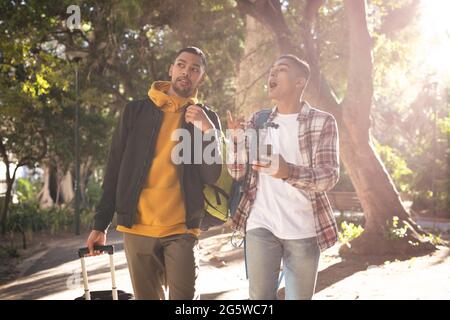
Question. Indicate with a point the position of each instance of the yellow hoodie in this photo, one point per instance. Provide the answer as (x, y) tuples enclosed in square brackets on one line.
[(161, 210)]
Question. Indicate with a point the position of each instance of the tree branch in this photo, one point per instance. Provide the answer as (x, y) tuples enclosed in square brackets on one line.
[(399, 18), (247, 88), (269, 13), (29, 159), (118, 95), (70, 33), (318, 92)]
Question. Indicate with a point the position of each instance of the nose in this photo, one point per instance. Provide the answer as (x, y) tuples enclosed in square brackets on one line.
[(186, 74)]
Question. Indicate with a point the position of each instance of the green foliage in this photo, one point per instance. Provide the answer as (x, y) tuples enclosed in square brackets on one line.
[(396, 166), (349, 231), (394, 231), (332, 39), (129, 45), (2, 202), (27, 189), (410, 111), (434, 239), (28, 217), (93, 192), (7, 252)]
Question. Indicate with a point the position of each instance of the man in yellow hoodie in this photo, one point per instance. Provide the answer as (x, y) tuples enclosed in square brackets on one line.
[(159, 203)]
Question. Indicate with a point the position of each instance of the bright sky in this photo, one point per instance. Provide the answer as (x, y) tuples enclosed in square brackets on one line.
[(435, 34)]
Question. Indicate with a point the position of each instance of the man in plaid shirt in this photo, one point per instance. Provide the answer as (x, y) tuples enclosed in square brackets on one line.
[(284, 210)]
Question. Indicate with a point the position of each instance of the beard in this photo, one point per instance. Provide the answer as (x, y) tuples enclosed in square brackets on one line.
[(184, 92)]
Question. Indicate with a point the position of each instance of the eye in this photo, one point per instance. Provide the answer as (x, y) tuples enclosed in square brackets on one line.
[(196, 69), (181, 65)]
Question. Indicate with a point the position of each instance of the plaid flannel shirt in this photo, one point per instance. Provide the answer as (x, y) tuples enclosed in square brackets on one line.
[(318, 128)]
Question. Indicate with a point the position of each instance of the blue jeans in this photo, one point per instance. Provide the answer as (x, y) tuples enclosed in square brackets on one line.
[(264, 252)]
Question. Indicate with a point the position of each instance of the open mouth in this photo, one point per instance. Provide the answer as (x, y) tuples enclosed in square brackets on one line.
[(184, 82)]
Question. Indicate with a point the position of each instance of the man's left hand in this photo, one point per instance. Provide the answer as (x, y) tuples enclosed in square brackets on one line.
[(197, 116), (274, 166)]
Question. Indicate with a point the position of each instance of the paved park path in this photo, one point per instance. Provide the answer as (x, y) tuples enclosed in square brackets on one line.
[(54, 273)]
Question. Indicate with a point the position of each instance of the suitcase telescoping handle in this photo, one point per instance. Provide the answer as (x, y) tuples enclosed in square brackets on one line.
[(82, 252)]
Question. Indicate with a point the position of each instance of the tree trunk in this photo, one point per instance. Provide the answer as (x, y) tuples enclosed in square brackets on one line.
[(58, 186), (58, 174), (44, 196), (8, 196), (25, 160), (374, 187), (380, 200), (268, 13), (85, 173), (66, 189), (253, 68)]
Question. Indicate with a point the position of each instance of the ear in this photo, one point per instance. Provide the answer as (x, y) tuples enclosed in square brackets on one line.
[(170, 70), (202, 78), (300, 82)]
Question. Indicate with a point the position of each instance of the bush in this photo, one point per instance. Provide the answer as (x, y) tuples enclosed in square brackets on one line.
[(28, 217), (425, 203), (397, 167), (357, 218), (349, 231), (27, 189), (7, 252), (2, 203), (394, 231), (93, 193)]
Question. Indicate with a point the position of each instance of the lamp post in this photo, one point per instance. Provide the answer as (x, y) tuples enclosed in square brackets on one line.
[(77, 57), (435, 102)]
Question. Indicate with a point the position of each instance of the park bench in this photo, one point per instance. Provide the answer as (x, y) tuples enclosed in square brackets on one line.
[(344, 201)]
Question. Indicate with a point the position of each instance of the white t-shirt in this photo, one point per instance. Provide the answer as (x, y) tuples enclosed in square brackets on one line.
[(279, 207)]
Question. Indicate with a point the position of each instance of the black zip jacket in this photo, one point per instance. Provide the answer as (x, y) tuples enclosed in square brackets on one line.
[(129, 161)]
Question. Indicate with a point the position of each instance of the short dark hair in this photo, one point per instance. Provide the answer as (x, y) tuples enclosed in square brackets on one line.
[(302, 65), (193, 50)]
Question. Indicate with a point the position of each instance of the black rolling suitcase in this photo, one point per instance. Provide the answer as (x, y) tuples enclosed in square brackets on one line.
[(113, 294)]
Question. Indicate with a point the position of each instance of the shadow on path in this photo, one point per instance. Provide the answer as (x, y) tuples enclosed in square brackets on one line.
[(352, 264)]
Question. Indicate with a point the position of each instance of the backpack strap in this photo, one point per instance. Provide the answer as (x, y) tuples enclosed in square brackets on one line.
[(211, 115), (261, 118)]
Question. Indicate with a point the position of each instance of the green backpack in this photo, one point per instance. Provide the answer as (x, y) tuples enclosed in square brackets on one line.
[(217, 197)]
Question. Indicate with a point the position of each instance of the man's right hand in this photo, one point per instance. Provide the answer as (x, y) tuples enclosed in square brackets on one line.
[(95, 238), (234, 125)]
